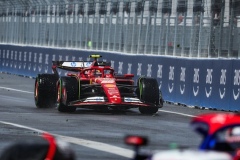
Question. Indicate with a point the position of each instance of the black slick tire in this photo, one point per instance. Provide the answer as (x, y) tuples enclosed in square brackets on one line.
[(45, 90), (148, 92), (67, 91)]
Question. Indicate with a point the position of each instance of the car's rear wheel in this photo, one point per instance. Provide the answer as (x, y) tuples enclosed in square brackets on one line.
[(45, 90), (67, 91), (148, 93)]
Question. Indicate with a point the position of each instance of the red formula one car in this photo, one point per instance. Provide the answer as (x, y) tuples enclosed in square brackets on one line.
[(95, 85), (221, 140)]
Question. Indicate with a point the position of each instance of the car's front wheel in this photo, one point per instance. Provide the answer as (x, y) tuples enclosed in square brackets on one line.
[(148, 92), (148, 110), (67, 91)]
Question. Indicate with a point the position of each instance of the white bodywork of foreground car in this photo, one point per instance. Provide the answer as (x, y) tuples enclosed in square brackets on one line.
[(190, 155)]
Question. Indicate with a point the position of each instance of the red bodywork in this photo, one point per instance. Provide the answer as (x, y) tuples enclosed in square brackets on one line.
[(217, 121), (100, 73), (220, 131)]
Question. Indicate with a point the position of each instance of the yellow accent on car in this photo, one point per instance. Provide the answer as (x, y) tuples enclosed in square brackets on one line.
[(95, 56)]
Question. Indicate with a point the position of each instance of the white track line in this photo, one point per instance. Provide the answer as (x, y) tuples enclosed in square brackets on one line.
[(12, 89), (187, 115), (86, 143), (99, 146), (90, 144), (182, 114)]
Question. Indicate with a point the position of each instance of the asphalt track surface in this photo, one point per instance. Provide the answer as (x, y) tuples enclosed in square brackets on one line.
[(91, 134)]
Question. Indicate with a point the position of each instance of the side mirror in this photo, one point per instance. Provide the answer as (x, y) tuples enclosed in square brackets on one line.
[(137, 142)]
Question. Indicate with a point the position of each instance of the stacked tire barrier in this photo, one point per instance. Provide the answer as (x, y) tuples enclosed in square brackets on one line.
[(209, 83)]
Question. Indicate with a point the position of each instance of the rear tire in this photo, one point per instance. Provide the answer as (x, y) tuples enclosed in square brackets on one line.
[(67, 92), (148, 93), (45, 90)]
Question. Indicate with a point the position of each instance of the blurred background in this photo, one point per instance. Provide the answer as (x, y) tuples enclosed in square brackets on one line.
[(184, 28)]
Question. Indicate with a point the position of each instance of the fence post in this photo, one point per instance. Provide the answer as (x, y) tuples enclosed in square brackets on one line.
[(230, 39), (238, 28)]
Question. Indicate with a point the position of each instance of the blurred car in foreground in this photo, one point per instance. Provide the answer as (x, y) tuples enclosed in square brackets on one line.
[(220, 132), (46, 147), (220, 140), (94, 85)]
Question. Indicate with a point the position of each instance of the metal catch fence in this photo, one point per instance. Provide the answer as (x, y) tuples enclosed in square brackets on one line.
[(182, 28)]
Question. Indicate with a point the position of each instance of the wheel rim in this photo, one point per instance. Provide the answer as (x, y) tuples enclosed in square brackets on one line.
[(36, 91), (141, 90), (59, 94), (64, 95)]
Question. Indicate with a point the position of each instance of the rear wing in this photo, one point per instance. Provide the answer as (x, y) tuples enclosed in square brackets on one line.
[(77, 65), (71, 65)]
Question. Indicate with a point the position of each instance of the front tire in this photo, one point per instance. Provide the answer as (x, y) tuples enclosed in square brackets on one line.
[(67, 92), (148, 92), (148, 110)]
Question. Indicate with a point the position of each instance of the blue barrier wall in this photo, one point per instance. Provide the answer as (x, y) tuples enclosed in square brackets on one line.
[(210, 83)]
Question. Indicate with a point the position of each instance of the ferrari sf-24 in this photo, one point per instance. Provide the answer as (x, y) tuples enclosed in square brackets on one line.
[(95, 85)]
